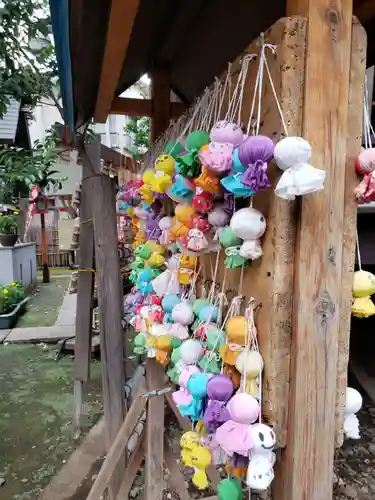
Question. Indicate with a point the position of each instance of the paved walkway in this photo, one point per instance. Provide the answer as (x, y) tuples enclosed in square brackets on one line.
[(63, 328)]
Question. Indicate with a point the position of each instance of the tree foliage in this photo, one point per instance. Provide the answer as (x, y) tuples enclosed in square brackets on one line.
[(28, 68), (28, 73), (21, 169), (138, 130)]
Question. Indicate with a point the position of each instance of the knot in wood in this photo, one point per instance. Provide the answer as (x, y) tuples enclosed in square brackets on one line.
[(325, 308), (333, 15)]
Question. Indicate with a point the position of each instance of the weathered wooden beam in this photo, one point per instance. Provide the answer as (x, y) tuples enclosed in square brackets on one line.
[(132, 469), (117, 448), (121, 20), (82, 347), (154, 481), (160, 96), (353, 145), (110, 300), (176, 478), (143, 107), (307, 463), (270, 279)]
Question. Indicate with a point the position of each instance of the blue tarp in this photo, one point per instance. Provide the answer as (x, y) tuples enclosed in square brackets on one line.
[(60, 27)]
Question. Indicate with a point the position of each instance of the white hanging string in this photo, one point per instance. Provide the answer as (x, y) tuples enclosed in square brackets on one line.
[(237, 108), (211, 293), (252, 345), (250, 57), (194, 281), (227, 85), (241, 79), (273, 49), (214, 100), (256, 85), (195, 111), (358, 251)]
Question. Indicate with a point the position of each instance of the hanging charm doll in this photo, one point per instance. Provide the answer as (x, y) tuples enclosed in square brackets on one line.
[(363, 288), (299, 177), (352, 406), (260, 472), (365, 165), (255, 153), (249, 225)]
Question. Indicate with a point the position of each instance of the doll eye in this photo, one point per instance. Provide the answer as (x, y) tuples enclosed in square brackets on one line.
[(262, 219), (261, 436)]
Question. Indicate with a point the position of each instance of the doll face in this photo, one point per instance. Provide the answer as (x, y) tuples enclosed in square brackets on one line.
[(165, 163), (263, 436), (224, 131)]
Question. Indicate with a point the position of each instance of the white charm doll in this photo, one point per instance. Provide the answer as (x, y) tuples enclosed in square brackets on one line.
[(352, 406), (262, 458)]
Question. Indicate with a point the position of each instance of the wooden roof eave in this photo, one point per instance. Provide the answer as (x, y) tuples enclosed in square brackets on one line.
[(118, 36)]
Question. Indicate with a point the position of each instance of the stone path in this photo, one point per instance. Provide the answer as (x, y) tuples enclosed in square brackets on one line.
[(63, 328)]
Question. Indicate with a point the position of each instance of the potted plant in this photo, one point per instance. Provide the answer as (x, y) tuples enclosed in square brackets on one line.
[(13, 302), (8, 230)]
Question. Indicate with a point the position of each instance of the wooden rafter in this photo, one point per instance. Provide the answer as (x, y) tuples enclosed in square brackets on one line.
[(142, 107), (120, 26)]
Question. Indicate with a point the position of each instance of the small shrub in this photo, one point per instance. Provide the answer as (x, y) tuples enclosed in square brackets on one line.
[(9, 224), (10, 296)]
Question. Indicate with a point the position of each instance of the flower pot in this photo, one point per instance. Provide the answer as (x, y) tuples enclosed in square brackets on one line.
[(8, 240), (7, 321)]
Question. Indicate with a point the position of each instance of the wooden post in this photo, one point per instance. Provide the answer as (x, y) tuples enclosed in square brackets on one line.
[(46, 278), (110, 300), (161, 105), (270, 279), (82, 348), (306, 469), (154, 483)]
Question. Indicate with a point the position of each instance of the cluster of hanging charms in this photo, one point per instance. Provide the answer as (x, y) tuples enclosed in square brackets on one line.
[(364, 281), (365, 164), (192, 205)]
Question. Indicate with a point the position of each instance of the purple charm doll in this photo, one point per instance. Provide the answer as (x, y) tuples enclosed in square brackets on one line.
[(153, 229), (219, 391), (255, 153)]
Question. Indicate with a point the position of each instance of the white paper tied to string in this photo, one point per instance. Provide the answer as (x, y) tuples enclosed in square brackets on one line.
[(250, 363), (291, 153)]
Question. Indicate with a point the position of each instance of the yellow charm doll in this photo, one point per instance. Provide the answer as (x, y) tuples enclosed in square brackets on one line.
[(139, 239), (196, 456), (363, 288), (146, 193), (187, 266), (184, 214), (163, 346), (189, 440), (161, 182), (200, 458), (165, 163)]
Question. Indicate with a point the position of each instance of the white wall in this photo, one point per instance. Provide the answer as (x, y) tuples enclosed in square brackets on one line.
[(46, 115), (112, 132), (112, 135)]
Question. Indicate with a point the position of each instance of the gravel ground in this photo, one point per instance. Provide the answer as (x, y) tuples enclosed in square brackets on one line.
[(355, 462)]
